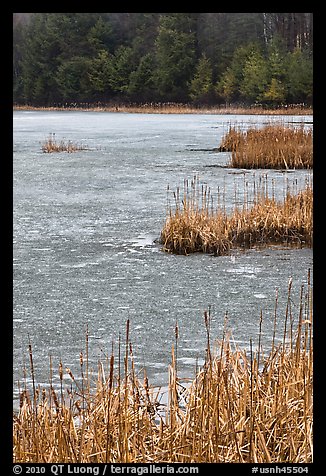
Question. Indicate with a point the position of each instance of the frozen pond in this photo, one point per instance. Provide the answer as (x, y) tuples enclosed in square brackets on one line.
[(84, 250)]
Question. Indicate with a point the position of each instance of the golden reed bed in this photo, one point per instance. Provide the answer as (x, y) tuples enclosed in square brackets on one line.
[(194, 225), (244, 405), (274, 146)]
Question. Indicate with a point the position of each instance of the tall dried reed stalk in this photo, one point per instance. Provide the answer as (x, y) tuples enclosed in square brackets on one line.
[(244, 405), (273, 146), (196, 225)]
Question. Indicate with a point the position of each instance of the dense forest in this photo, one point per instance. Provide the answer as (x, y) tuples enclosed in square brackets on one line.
[(198, 58)]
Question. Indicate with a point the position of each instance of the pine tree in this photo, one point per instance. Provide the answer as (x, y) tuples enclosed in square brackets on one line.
[(201, 86), (255, 77), (141, 81), (300, 77), (175, 57)]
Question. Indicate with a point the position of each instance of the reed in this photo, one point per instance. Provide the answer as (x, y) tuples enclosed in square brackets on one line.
[(244, 405), (196, 225), (274, 146), (52, 145), (249, 407)]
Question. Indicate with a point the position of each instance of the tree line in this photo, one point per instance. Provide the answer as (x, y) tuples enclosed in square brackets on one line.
[(201, 58)]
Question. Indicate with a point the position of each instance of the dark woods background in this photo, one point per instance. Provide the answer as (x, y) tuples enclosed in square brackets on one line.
[(198, 58)]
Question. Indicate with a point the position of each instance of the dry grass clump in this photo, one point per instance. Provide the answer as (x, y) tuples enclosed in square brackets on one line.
[(242, 406), (270, 221), (196, 226), (51, 145), (273, 146), (107, 418)]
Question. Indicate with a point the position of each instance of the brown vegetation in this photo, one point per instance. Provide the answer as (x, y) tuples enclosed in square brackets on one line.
[(274, 146), (242, 406), (174, 108), (195, 225), (51, 145)]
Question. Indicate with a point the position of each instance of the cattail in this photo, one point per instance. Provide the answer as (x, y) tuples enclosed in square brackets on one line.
[(22, 397), (60, 371), (55, 399), (111, 371), (69, 372)]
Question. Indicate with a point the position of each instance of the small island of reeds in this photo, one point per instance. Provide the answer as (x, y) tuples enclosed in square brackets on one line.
[(244, 405), (52, 145), (274, 146), (195, 225)]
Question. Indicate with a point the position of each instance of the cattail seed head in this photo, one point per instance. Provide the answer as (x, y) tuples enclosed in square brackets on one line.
[(176, 331), (60, 371)]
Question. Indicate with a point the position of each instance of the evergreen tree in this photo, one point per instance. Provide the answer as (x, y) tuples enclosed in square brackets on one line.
[(77, 34), (122, 66), (141, 80), (300, 77), (175, 56), (275, 93), (201, 86), (276, 90), (100, 74), (229, 84), (18, 41), (99, 36), (40, 61), (255, 77), (73, 80)]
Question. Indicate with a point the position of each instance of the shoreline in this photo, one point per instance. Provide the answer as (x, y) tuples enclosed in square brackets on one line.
[(167, 108)]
